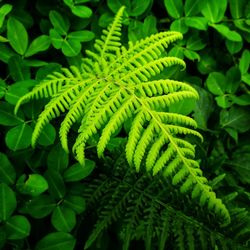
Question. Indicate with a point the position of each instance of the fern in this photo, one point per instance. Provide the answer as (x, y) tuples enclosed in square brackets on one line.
[(152, 211), (113, 85)]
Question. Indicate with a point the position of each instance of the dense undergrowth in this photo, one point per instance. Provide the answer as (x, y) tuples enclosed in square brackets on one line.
[(148, 190)]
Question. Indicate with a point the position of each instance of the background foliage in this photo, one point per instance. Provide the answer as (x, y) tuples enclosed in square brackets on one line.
[(47, 199)]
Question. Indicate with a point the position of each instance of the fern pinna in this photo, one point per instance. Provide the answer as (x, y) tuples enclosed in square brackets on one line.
[(112, 86)]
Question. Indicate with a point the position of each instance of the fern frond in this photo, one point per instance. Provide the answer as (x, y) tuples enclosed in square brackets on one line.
[(112, 86)]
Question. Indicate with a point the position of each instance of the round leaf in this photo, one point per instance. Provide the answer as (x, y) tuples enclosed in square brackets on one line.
[(55, 241), (17, 35), (71, 47), (48, 135), (8, 202), (34, 185), (19, 137), (77, 203), (174, 8), (81, 11), (216, 83), (60, 24), (17, 227), (63, 219), (81, 36)]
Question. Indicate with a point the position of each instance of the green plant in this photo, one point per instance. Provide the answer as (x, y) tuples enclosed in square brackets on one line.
[(112, 87), (47, 198)]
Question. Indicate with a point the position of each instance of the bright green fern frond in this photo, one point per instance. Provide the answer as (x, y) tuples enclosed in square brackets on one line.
[(115, 84)]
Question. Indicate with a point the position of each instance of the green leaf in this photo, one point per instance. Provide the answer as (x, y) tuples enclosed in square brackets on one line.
[(17, 36), (237, 8), (207, 64), (76, 203), (19, 137), (246, 78), (7, 117), (81, 11), (55, 241), (48, 135), (8, 202), (78, 172), (174, 8), (40, 206), (199, 23), (236, 117), (224, 101), (7, 172), (133, 8), (82, 36), (34, 185), (234, 47), (233, 78), (17, 227), (204, 107), (192, 7), (226, 32), (195, 43), (60, 24), (18, 69), (58, 159), (214, 10), (63, 219), (179, 25), (3, 39), (56, 184), (216, 83), (183, 107), (4, 10), (149, 26), (191, 55), (71, 47), (242, 100), (3, 87), (39, 44), (244, 62), (56, 39), (5, 53)]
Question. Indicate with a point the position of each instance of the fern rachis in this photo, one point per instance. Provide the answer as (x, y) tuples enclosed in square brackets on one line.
[(112, 86)]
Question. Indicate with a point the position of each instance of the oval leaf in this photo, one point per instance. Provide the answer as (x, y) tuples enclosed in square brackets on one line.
[(41, 43), (7, 172)]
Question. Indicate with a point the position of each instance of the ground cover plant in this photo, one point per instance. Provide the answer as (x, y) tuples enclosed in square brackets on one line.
[(124, 124)]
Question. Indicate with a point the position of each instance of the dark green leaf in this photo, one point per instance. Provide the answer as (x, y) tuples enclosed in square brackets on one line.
[(195, 43), (216, 83), (17, 227), (5, 53), (34, 185), (46, 70), (242, 100), (8, 202), (7, 117), (77, 203), (237, 8), (234, 47), (226, 32), (233, 78), (7, 172), (17, 36), (18, 69), (60, 24), (81, 11), (63, 219), (3, 87), (244, 62), (207, 64), (236, 117), (58, 159), (174, 8), (78, 172), (19, 137), (39, 44), (191, 55), (4, 10), (55, 241), (56, 184), (40, 206), (82, 36)]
